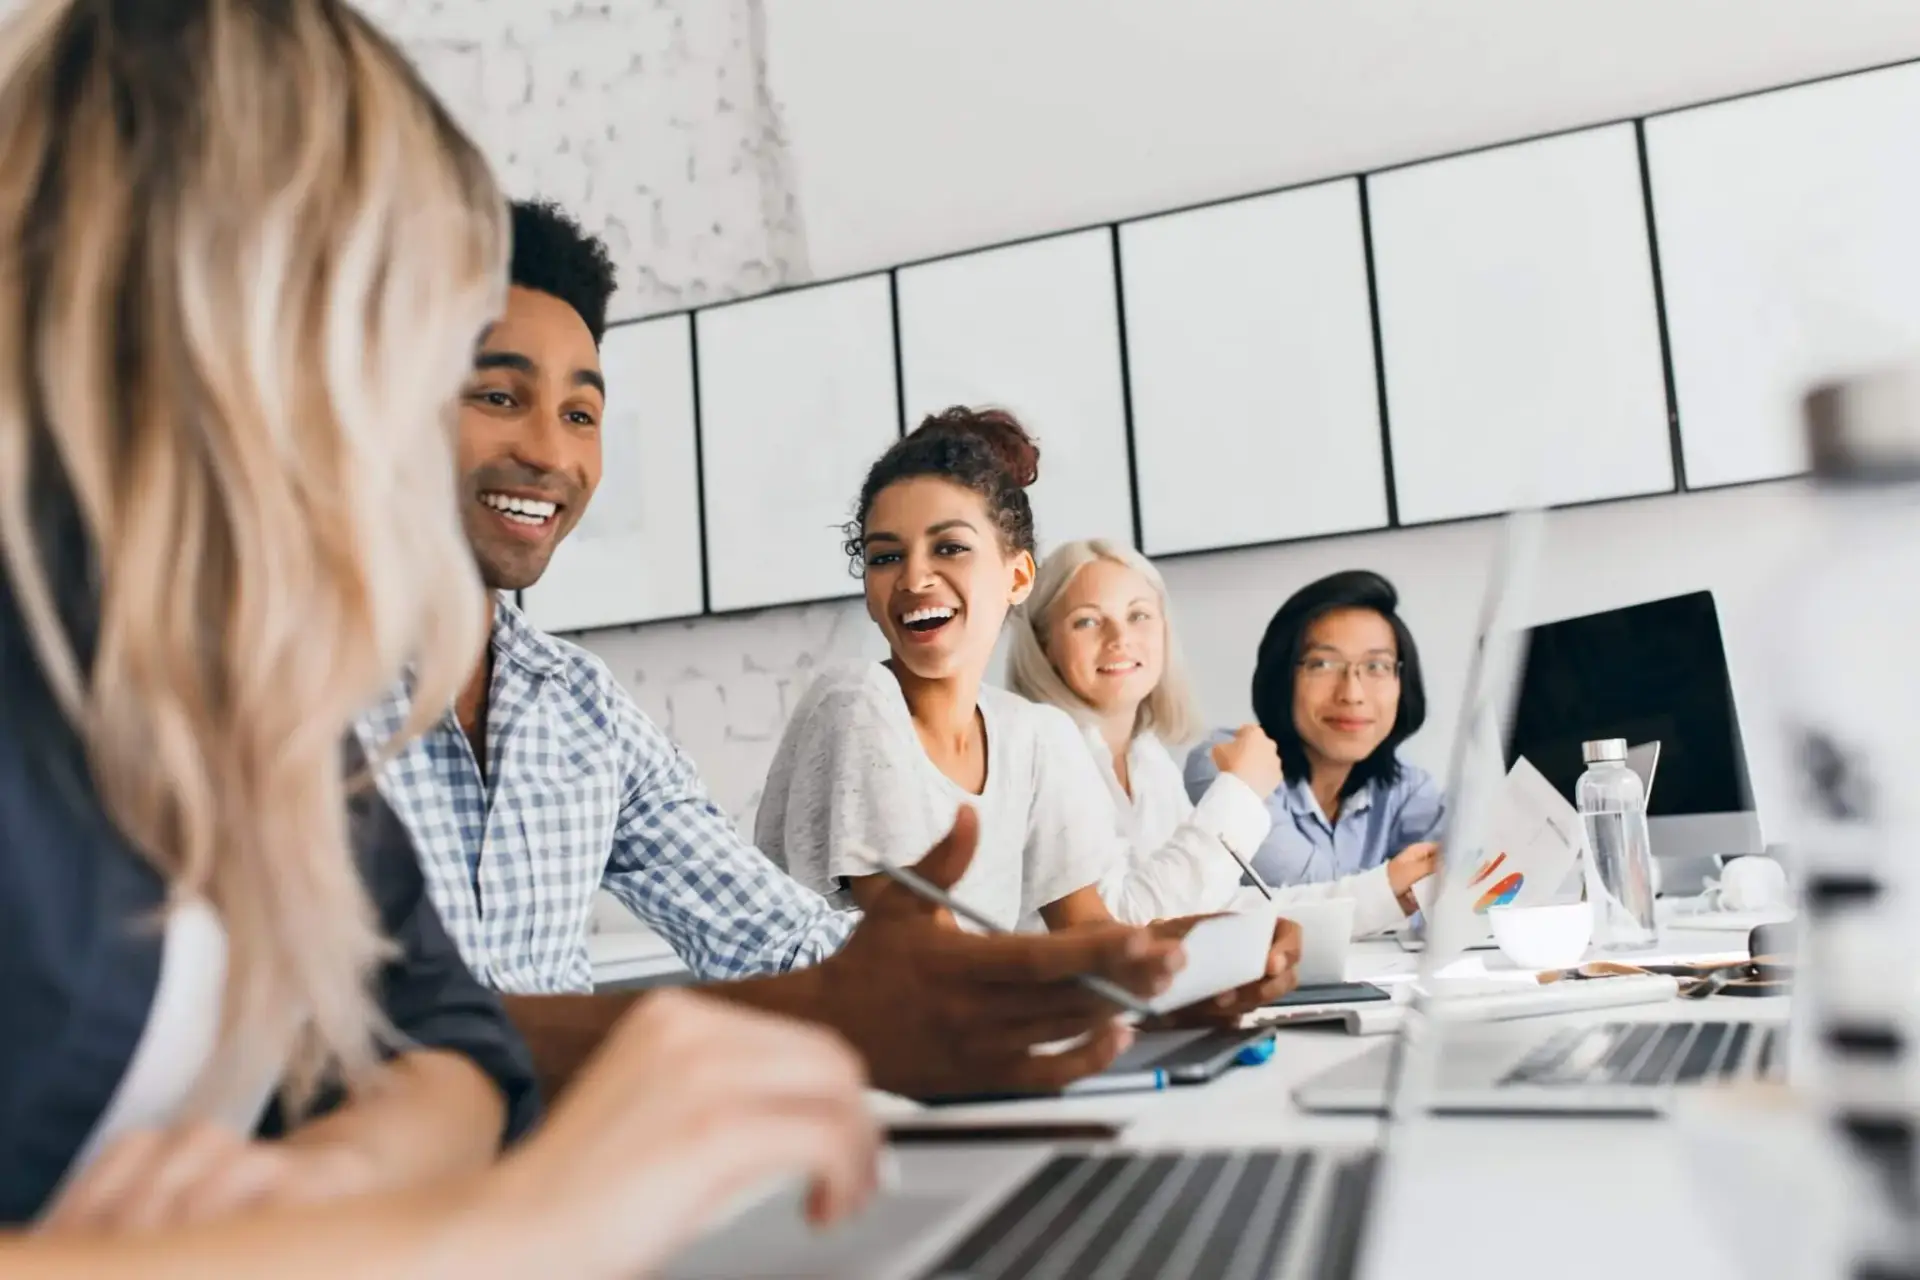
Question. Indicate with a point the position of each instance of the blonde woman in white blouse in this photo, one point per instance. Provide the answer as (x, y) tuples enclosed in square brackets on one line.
[(1094, 639)]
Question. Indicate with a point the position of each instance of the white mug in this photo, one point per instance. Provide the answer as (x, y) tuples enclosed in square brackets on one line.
[(1326, 927), (1750, 884)]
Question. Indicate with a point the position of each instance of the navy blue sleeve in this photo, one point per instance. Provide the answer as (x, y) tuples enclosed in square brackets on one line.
[(426, 991), (77, 967)]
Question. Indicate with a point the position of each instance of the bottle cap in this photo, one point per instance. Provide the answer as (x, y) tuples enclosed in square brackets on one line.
[(1602, 750)]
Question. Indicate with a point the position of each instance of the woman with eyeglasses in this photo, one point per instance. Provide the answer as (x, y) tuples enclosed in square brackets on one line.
[(1337, 687)]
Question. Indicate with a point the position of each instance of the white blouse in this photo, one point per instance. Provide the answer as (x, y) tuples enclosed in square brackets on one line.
[(1175, 860), (1176, 865)]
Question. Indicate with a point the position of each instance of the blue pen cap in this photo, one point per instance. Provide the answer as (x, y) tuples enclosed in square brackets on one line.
[(1255, 1054)]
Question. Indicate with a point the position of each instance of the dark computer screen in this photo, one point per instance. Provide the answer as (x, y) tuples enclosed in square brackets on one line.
[(1654, 671)]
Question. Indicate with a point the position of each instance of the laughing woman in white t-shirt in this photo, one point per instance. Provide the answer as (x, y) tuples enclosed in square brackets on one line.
[(879, 755)]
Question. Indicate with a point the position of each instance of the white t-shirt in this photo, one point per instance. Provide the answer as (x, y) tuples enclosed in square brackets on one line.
[(851, 771), (1176, 866), (182, 1031)]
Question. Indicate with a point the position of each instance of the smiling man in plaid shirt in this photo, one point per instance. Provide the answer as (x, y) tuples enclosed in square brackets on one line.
[(547, 782)]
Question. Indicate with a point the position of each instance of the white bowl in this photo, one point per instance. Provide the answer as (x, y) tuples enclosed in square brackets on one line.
[(1550, 937)]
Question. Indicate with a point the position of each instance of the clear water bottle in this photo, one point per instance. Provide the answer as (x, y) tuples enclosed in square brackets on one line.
[(1613, 805)]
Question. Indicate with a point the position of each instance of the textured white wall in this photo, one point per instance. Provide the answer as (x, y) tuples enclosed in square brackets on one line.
[(647, 119)]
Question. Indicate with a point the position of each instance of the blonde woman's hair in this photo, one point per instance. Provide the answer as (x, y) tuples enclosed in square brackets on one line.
[(1168, 711), (244, 258)]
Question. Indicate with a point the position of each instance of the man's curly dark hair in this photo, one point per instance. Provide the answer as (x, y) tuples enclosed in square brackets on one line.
[(552, 254)]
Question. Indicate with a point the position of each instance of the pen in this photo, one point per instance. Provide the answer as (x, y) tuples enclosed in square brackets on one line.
[(921, 887), (1252, 875)]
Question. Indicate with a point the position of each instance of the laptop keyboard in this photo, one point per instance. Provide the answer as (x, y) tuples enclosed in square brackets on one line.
[(1137, 1216), (1651, 1053)]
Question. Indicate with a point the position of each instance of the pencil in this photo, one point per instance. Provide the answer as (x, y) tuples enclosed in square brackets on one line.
[(923, 888), (1252, 875)]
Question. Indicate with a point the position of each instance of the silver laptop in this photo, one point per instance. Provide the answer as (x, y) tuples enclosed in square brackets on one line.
[(1069, 1212), (1594, 1067)]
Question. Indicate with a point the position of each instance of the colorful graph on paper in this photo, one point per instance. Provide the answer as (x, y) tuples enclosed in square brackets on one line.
[(1501, 892)]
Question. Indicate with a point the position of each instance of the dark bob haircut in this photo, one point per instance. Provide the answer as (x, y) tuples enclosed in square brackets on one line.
[(1278, 666)]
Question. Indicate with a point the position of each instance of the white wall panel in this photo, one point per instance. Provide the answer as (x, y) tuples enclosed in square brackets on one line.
[(635, 555), (1789, 228), (797, 399), (1033, 328), (1256, 411), (1518, 326)]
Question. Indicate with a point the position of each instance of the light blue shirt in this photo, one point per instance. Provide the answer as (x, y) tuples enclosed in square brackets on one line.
[(1375, 823), (583, 791)]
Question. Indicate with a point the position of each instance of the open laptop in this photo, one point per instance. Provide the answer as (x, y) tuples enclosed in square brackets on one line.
[(1598, 1066), (1076, 1213), (1070, 1210)]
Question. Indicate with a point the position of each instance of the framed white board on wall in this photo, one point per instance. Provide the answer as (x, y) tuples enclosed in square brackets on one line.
[(797, 399), (635, 554), (1251, 362), (1035, 329), (1789, 232), (1518, 327)]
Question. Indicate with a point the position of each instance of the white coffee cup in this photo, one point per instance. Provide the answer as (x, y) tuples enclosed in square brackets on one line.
[(1326, 929), (1750, 884)]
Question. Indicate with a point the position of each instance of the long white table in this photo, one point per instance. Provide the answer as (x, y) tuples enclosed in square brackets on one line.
[(1488, 1198), (1484, 1197)]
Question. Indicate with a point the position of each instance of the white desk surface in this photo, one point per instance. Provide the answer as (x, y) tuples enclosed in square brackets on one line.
[(1488, 1197)]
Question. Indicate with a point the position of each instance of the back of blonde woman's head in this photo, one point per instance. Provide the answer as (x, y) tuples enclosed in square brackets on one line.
[(1168, 711), (244, 257)]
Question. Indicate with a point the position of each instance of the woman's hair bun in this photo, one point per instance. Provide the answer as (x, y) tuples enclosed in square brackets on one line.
[(998, 430)]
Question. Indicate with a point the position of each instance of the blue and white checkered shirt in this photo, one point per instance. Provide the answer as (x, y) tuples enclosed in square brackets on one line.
[(583, 790)]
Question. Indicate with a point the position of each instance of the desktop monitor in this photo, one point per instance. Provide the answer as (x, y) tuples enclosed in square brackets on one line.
[(1654, 672)]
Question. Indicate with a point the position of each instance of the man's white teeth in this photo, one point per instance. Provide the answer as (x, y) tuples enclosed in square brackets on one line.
[(520, 510), (937, 613)]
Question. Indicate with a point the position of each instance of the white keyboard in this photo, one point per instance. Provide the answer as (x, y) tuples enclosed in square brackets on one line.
[(1468, 1000), (1481, 1000)]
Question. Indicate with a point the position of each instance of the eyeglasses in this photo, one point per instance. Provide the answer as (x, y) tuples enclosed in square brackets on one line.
[(1372, 670)]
